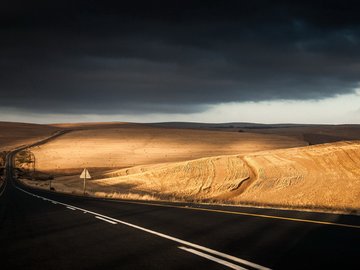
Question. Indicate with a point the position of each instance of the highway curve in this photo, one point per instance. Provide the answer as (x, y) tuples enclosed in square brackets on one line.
[(46, 230)]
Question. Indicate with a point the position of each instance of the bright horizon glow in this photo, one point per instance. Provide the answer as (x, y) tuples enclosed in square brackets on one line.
[(342, 109)]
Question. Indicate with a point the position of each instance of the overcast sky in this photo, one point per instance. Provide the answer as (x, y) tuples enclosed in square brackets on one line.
[(210, 61)]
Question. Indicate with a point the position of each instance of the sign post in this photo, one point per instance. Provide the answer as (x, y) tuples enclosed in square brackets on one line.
[(85, 175)]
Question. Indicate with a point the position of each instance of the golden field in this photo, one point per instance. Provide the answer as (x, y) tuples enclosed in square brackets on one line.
[(126, 146), (266, 167), (323, 176)]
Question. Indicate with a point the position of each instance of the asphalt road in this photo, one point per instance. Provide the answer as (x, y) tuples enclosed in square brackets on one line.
[(45, 230)]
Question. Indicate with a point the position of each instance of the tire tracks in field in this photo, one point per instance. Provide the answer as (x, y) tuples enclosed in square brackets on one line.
[(244, 184)]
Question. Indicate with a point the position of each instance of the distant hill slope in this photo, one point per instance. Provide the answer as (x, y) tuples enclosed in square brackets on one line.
[(313, 134), (15, 134), (224, 126)]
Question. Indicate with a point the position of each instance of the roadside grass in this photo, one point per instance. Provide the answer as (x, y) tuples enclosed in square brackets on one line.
[(308, 207)]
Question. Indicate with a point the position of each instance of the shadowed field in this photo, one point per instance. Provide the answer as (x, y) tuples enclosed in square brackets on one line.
[(13, 135)]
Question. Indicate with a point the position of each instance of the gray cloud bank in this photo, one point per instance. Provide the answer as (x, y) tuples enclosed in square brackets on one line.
[(109, 57)]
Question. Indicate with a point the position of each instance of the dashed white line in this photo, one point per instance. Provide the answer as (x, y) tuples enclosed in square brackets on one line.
[(174, 239), (212, 258), (71, 208), (106, 220)]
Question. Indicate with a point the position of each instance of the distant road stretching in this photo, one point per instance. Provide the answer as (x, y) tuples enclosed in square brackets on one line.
[(46, 230)]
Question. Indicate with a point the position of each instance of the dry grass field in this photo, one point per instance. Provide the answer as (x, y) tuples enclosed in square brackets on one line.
[(265, 167), (326, 176), (317, 177), (132, 145)]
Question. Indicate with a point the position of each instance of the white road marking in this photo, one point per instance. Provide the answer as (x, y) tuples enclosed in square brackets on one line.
[(104, 219), (71, 208), (183, 242), (212, 258)]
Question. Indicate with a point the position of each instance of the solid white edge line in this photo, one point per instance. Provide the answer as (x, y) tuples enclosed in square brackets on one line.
[(208, 250), (212, 258), (106, 220)]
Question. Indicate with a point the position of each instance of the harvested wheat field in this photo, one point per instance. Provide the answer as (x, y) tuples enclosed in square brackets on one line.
[(317, 177), (325, 175), (133, 145), (136, 161)]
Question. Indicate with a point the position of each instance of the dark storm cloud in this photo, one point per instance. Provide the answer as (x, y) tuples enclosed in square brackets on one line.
[(174, 56)]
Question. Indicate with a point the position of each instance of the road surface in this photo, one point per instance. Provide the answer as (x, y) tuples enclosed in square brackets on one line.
[(46, 230)]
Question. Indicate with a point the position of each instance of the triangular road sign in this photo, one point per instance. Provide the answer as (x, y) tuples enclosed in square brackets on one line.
[(85, 174)]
